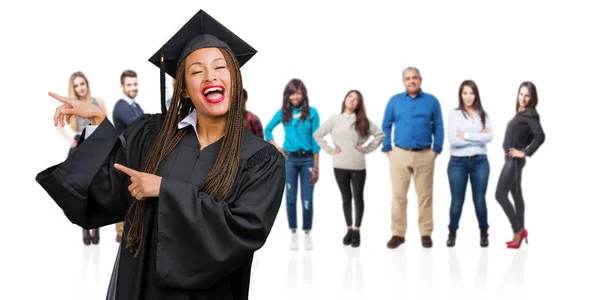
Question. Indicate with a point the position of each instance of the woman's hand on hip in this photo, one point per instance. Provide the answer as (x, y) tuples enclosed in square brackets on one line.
[(512, 152), (337, 150)]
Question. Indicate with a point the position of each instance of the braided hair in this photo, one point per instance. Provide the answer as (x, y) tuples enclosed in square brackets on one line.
[(222, 176)]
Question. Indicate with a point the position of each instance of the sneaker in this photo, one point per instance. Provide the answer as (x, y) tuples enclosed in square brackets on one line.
[(308, 242), (294, 242)]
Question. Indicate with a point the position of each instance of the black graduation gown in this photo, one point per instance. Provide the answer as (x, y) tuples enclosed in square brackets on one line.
[(194, 247)]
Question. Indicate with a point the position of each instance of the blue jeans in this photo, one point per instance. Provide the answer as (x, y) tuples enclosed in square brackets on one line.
[(460, 170), (299, 167)]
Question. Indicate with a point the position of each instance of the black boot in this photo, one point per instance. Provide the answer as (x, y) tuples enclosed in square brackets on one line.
[(355, 238), (87, 238), (484, 242), (96, 236), (348, 237), (451, 237)]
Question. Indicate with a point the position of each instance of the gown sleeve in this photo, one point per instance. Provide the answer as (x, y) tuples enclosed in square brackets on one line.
[(200, 240), (86, 186)]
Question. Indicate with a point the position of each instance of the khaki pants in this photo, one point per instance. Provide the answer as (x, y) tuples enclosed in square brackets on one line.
[(119, 228), (403, 164)]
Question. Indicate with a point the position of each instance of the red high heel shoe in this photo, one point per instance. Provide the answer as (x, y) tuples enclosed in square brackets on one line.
[(517, 245)]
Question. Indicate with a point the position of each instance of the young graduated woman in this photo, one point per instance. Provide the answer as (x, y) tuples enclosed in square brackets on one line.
[(198, 192)]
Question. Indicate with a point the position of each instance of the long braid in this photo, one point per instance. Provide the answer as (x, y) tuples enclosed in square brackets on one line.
[(222, 175), (166, 141)]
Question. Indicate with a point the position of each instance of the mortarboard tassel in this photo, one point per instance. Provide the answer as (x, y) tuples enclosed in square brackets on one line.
[(163, 104)]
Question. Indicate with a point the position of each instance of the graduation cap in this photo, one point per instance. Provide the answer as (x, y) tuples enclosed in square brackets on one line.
[(201, 31)]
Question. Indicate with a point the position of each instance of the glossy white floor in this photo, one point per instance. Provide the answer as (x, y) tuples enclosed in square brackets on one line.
[(49, 259)]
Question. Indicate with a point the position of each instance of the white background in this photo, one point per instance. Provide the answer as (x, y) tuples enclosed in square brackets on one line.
[(333, 47)]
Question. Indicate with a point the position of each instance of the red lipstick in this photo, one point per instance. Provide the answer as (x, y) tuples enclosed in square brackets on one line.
[(213, 88)]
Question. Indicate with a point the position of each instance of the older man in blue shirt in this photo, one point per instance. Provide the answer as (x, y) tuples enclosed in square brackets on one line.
[(418, 139)]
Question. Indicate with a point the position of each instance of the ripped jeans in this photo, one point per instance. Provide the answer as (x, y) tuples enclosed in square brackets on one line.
[(299, 167)]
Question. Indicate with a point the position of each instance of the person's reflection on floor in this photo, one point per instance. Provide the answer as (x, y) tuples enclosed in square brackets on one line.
[(456, 279), (354, 279), (512, 285), (425, 290)]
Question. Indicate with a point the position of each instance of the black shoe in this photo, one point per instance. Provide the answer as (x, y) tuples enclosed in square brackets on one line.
[(87, 238), (484, 242), (348, 237), (96, 236), (355, 238), (451, 238)]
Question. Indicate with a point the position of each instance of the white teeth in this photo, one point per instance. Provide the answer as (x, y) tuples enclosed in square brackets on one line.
[(213, 89)]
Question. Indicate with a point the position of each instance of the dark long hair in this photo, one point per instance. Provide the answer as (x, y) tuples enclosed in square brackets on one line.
[(220, 179), (244, 111), (476, 103), (533, 96), (361, 125), (290, 88)]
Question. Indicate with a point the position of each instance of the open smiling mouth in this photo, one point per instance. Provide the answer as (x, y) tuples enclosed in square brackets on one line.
[(213, 93)]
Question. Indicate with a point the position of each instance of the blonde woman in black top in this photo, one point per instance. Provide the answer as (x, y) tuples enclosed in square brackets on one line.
[(79, 88), (523, 137)]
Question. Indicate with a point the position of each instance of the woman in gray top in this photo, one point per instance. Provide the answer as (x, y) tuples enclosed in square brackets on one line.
[(79, 88), (349, 131)]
